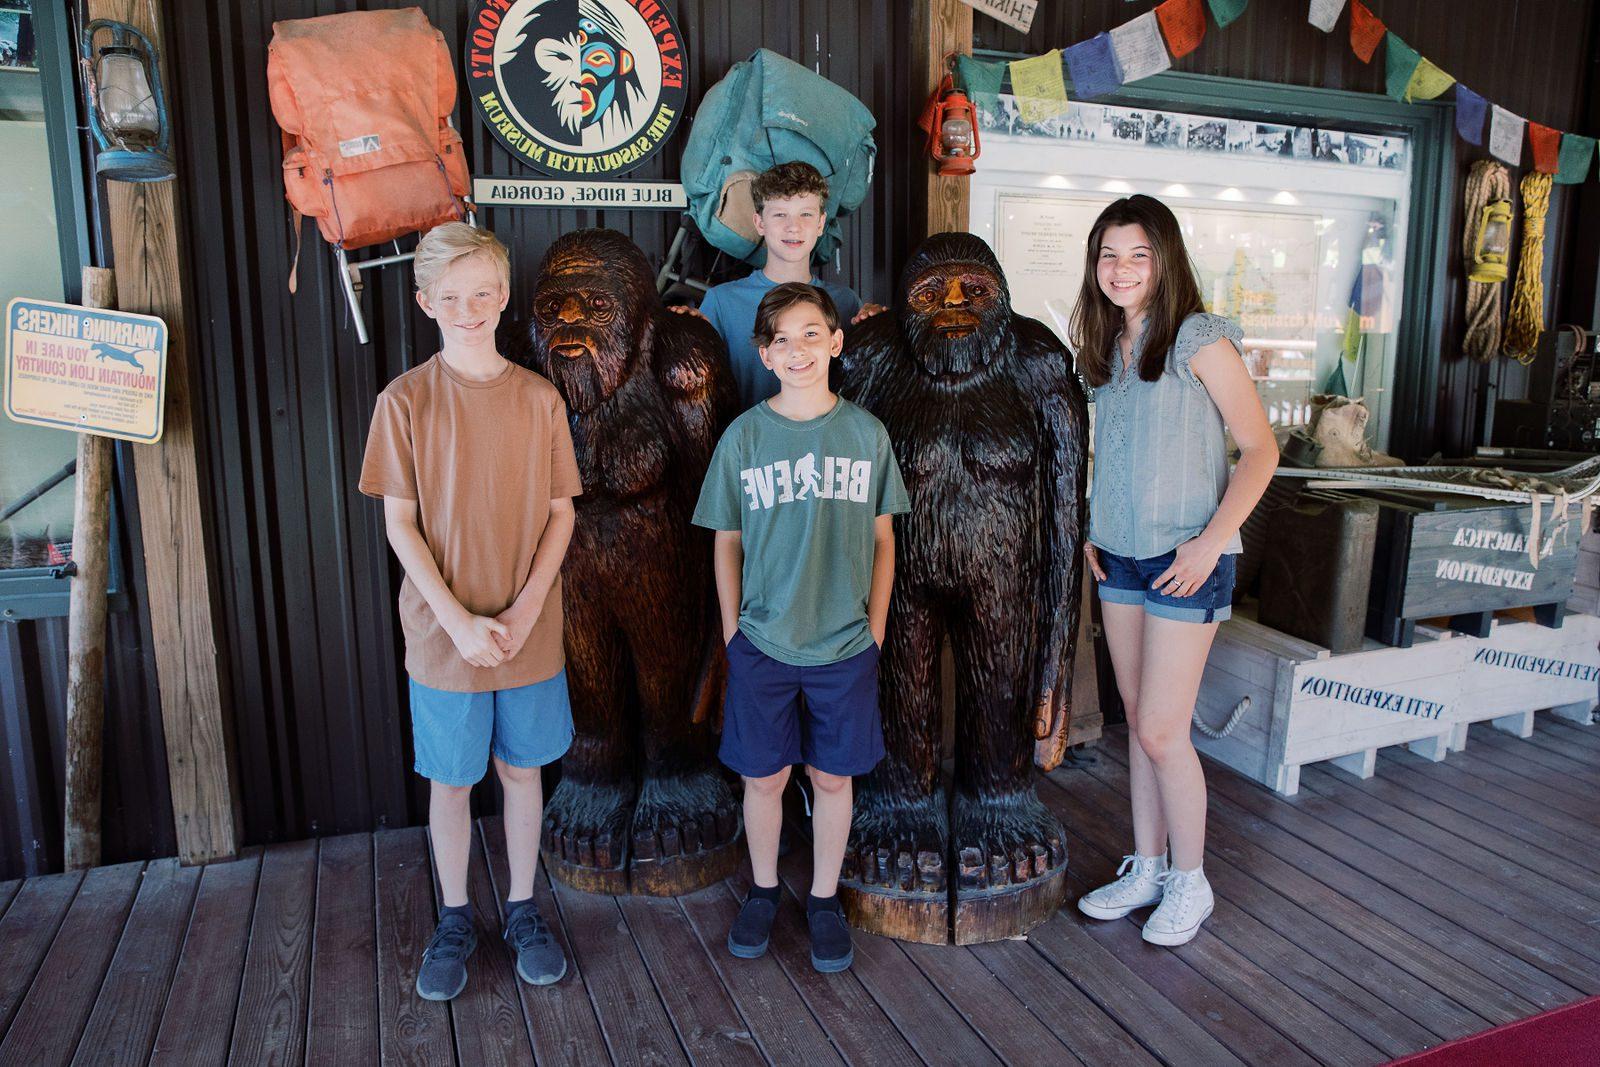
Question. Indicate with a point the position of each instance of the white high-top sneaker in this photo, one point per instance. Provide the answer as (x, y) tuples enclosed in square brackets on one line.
[(1186, 902), (1138, 885)]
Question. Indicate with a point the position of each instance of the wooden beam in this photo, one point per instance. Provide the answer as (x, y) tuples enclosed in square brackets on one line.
[(86, 623), (145, 243), (938, 28)]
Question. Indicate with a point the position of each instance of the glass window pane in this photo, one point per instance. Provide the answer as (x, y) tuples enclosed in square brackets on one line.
[(41, 533), (1294, 232)]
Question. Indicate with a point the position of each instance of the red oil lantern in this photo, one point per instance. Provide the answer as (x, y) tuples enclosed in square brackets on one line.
[(952, 125)]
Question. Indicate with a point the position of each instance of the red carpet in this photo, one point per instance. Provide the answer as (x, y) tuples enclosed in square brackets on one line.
[(1569, 1036)]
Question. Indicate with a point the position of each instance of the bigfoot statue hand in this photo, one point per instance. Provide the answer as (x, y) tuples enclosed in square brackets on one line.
[(990, 427), (642, 804)]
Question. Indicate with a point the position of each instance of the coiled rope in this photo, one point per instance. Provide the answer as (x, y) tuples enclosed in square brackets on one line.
[(1527, 297), (1487, 182)]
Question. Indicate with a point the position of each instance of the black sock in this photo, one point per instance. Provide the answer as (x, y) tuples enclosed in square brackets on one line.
[(762, 892), (827, 903), (464, 910)]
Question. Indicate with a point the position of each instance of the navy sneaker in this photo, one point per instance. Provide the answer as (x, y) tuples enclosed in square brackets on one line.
[(444, 962), (540, 960), (831, 950), (753, 928)]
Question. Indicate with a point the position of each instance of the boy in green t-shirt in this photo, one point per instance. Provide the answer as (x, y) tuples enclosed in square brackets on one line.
[(800, 492)]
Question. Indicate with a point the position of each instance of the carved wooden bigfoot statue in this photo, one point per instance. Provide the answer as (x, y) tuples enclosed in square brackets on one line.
[(990, 428), (642, 804)]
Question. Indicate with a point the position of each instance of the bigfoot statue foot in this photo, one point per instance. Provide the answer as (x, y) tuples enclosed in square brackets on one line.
[(1011, 861), (685, 833), (895, 880), (585, 840)]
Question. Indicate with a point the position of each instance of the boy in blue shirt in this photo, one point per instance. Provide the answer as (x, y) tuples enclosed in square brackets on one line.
[(801, 492), (789, 216)]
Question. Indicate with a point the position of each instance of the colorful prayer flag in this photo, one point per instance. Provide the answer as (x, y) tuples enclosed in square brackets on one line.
[(1225, 11), (1546, 144), (1139, 49), (1335, 385), (1093, 65), (1366, 31), (1352, 318), (1427, 82), (1401, 61), (980, 80), (1505, 135), (1471, 110), (1037, 85), (1408, 76), (1577, 154), (1183, 23), (1324, 13)]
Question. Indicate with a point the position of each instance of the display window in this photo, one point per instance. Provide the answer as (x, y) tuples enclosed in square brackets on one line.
[(45, 239), (1300, 226), (1294, 231)]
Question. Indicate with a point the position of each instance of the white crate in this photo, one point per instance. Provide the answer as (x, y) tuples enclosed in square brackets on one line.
[(1308, 705), (1522, 667)]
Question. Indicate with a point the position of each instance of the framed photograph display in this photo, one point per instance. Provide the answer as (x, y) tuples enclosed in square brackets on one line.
[(17, 46), (1301, 230)]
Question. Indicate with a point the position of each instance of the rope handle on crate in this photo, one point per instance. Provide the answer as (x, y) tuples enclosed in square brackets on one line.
[(1234, 718)]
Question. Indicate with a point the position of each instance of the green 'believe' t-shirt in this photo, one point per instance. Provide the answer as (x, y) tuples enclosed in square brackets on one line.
[(804, 497)]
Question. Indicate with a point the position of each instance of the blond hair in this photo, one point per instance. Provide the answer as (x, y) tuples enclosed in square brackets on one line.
[(442, 246)]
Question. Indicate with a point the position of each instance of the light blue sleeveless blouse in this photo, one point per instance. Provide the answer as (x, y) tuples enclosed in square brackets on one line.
[(1160, 461)]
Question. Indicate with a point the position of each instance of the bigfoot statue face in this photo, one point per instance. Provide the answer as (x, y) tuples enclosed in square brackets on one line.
[(591, 312), (955, 307)]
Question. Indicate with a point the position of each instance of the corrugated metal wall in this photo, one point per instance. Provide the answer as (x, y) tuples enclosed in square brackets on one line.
[(284, 393), (136, 818)]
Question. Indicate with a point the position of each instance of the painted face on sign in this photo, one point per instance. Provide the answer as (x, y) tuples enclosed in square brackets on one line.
[(583, 63)]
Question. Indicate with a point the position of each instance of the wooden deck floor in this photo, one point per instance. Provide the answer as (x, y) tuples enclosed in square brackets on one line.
[(1356, 922)]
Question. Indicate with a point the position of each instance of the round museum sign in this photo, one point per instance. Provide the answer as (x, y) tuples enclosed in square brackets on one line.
[(576, 87)]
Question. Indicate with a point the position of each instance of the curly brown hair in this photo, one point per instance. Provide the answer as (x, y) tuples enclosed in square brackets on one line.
[(786, 180)]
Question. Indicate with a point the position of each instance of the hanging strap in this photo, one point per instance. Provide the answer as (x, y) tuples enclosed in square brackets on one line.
[(289, 141)]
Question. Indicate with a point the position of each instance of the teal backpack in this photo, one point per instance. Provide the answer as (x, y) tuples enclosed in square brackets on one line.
[(770, 110)]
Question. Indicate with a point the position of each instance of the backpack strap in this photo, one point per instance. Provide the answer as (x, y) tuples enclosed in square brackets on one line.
[(289, 141)]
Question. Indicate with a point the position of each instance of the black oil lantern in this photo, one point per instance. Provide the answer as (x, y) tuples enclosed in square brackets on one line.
[(127, 113)]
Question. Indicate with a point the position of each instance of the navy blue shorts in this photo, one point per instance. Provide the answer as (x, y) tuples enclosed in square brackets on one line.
[(765, 728), (1128, 581)]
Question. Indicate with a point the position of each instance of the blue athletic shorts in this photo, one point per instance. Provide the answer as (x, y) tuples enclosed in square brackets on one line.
[(453, 733), (765, 728), (1128, 582)]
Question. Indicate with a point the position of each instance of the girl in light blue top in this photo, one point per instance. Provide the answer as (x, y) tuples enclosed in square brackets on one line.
[(1164, 518)]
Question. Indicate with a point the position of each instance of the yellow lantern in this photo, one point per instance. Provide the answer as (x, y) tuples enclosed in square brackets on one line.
[(1493, 244)]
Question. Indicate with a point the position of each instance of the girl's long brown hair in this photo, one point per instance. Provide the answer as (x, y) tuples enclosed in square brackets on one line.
[(1175, 294)]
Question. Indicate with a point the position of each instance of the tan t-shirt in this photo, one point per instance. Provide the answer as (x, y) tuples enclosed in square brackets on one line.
[(482, 460)]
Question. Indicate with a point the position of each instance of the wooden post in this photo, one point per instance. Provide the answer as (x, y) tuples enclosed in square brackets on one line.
[(86, 622), (145, 244), (938, 28)]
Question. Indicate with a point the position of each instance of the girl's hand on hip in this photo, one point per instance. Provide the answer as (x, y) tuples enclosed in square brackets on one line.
[(1093, 559), (1193, 564)]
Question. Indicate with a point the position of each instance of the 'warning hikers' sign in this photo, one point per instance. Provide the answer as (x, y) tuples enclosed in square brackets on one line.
[(77, 368)]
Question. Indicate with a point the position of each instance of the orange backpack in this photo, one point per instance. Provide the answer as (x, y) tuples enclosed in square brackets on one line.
[(364, 100)]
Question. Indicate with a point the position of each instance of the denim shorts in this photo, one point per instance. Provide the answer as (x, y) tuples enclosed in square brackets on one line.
[(453, 733), (1128, 581), (767, 727)]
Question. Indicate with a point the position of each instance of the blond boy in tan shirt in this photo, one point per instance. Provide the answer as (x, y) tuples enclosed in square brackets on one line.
[(473, 458)]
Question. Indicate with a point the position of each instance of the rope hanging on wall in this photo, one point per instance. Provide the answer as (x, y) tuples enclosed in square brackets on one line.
[(1527, 296), (1488, 183)]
